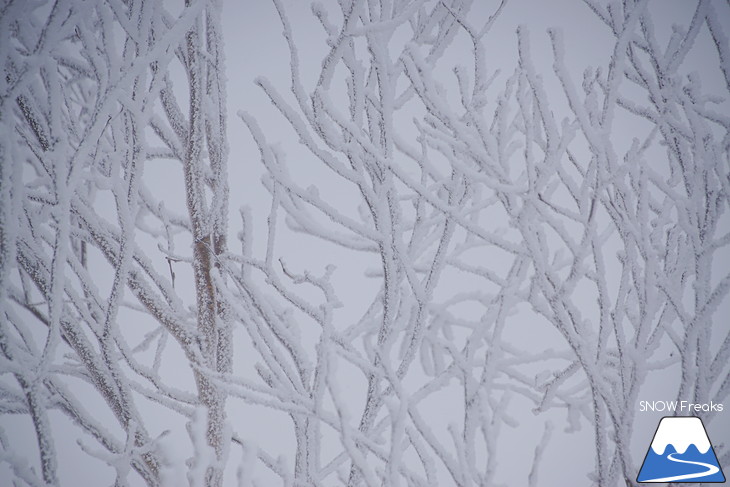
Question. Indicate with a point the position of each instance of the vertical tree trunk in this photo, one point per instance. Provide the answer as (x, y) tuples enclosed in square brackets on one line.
[(206, 111)]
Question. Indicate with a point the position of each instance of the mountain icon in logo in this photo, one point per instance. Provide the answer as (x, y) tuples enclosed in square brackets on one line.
[(680, 452)]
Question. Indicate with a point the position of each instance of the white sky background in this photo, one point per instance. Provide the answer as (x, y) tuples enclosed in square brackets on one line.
[(255, 47)]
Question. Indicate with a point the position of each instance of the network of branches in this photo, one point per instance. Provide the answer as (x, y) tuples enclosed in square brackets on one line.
[(476, 197)]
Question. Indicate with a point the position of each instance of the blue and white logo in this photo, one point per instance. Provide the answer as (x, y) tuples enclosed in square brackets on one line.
[(680, 452)]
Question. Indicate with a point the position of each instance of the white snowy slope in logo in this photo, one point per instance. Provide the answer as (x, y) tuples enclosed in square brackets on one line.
[(680, 432), (680, 452)]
